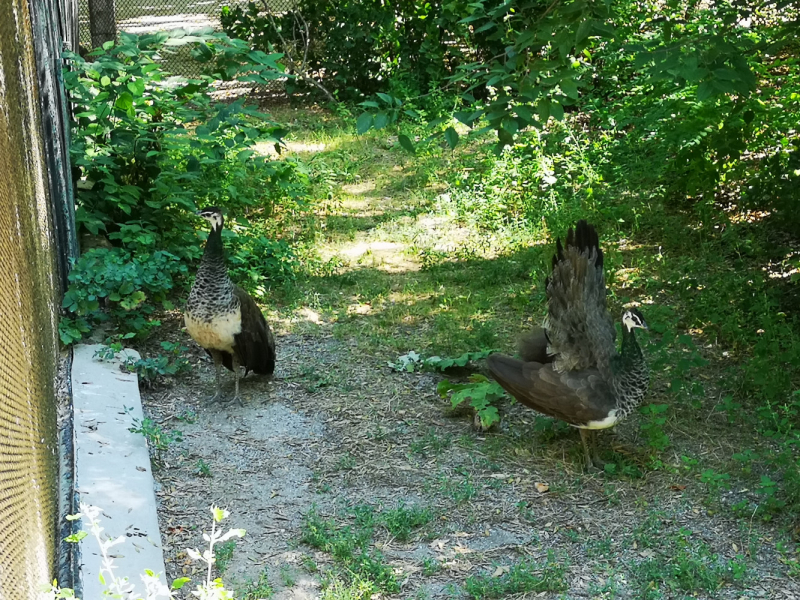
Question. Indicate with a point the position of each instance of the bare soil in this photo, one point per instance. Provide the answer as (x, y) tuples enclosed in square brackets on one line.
[(335, 429)]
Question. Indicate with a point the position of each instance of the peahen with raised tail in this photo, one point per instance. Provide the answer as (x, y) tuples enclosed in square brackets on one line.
[(570, 368), (223, 318)]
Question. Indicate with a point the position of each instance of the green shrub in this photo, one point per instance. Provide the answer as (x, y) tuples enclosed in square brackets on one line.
[(362, 47), (149, 150), (116, 284)]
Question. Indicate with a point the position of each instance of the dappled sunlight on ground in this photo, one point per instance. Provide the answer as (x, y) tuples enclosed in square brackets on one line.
[(788, 268), (356, 189), (268, 148), (386, 256)]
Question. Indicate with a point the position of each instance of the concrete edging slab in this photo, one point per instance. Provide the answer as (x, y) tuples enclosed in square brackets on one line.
[(112, 469)]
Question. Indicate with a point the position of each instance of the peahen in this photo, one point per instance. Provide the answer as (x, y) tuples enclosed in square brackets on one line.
[(223, 318), (570, 368)]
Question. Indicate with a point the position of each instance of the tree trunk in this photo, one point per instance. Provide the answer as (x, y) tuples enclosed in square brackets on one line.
[(102, 21)]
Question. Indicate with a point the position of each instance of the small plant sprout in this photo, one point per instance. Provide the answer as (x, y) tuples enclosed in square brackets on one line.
[(213, 589), (115, 587), (480, 391)]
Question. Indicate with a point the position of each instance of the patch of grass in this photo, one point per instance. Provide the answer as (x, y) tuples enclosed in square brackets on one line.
[(256, 590), (223, 553), (346, 462), (287, 576), (350, 547), (460, 490), (522, 577), (316, 380), (430, 566), (599, 548), (431, 444), (402, 520), (202, 469), (682, 563), (351, 588)]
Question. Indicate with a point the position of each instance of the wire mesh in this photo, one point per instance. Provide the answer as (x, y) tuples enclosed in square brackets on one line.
[(29, 284), (103, 19)]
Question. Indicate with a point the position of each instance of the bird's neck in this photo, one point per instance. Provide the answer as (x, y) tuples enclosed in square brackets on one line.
[(630, 375), (214, 254), (630, 352)]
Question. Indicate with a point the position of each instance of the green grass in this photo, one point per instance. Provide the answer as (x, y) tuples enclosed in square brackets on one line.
[(256, 590), (403, 520), (525, 576), (358, 566), (468, 271), (223, 553), (349, 545)]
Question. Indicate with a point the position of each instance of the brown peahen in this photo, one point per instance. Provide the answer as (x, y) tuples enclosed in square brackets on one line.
[(223, 318), (570, 368)]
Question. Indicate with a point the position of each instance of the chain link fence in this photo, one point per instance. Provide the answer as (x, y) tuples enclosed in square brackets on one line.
[(36, 242), (101, 20)]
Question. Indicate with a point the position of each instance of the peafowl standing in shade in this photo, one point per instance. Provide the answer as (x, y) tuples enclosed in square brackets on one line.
[(223, 318)]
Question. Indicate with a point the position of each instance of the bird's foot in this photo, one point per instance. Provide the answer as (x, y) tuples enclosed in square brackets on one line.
[(595, 464), (238, 399), (214, 399)]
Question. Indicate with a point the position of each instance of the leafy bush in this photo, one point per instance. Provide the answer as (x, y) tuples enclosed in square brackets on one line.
[(148, 150), (359, 47), (158, 440), (412, 361), (118, 284)]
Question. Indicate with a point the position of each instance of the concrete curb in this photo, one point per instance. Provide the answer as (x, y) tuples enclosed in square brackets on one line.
[(113, 470)]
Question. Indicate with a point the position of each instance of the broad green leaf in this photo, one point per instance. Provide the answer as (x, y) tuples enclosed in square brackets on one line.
[(704, 91), (544, 109), (451, 137), (124, 102), (570, 88), (364, 123), (524, 113), (406, 143), (381, 120)]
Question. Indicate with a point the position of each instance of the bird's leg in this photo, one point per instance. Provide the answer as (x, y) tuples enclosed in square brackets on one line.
[(218, 368), (584, 434), (595, 456), (236, 369), (592, 458)]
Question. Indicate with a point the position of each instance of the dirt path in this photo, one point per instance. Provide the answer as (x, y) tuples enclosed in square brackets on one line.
[(336, 431), (354, 481)]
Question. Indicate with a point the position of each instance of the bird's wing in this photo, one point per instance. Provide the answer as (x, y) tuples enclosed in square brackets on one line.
[(255, 344), (577, 397), (532, 346), (579, 328)]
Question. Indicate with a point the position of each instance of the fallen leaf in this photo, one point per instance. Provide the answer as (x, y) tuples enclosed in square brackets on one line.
[(438, 544), (500, 571), (542, 487), (675, 487), (462, 550)]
